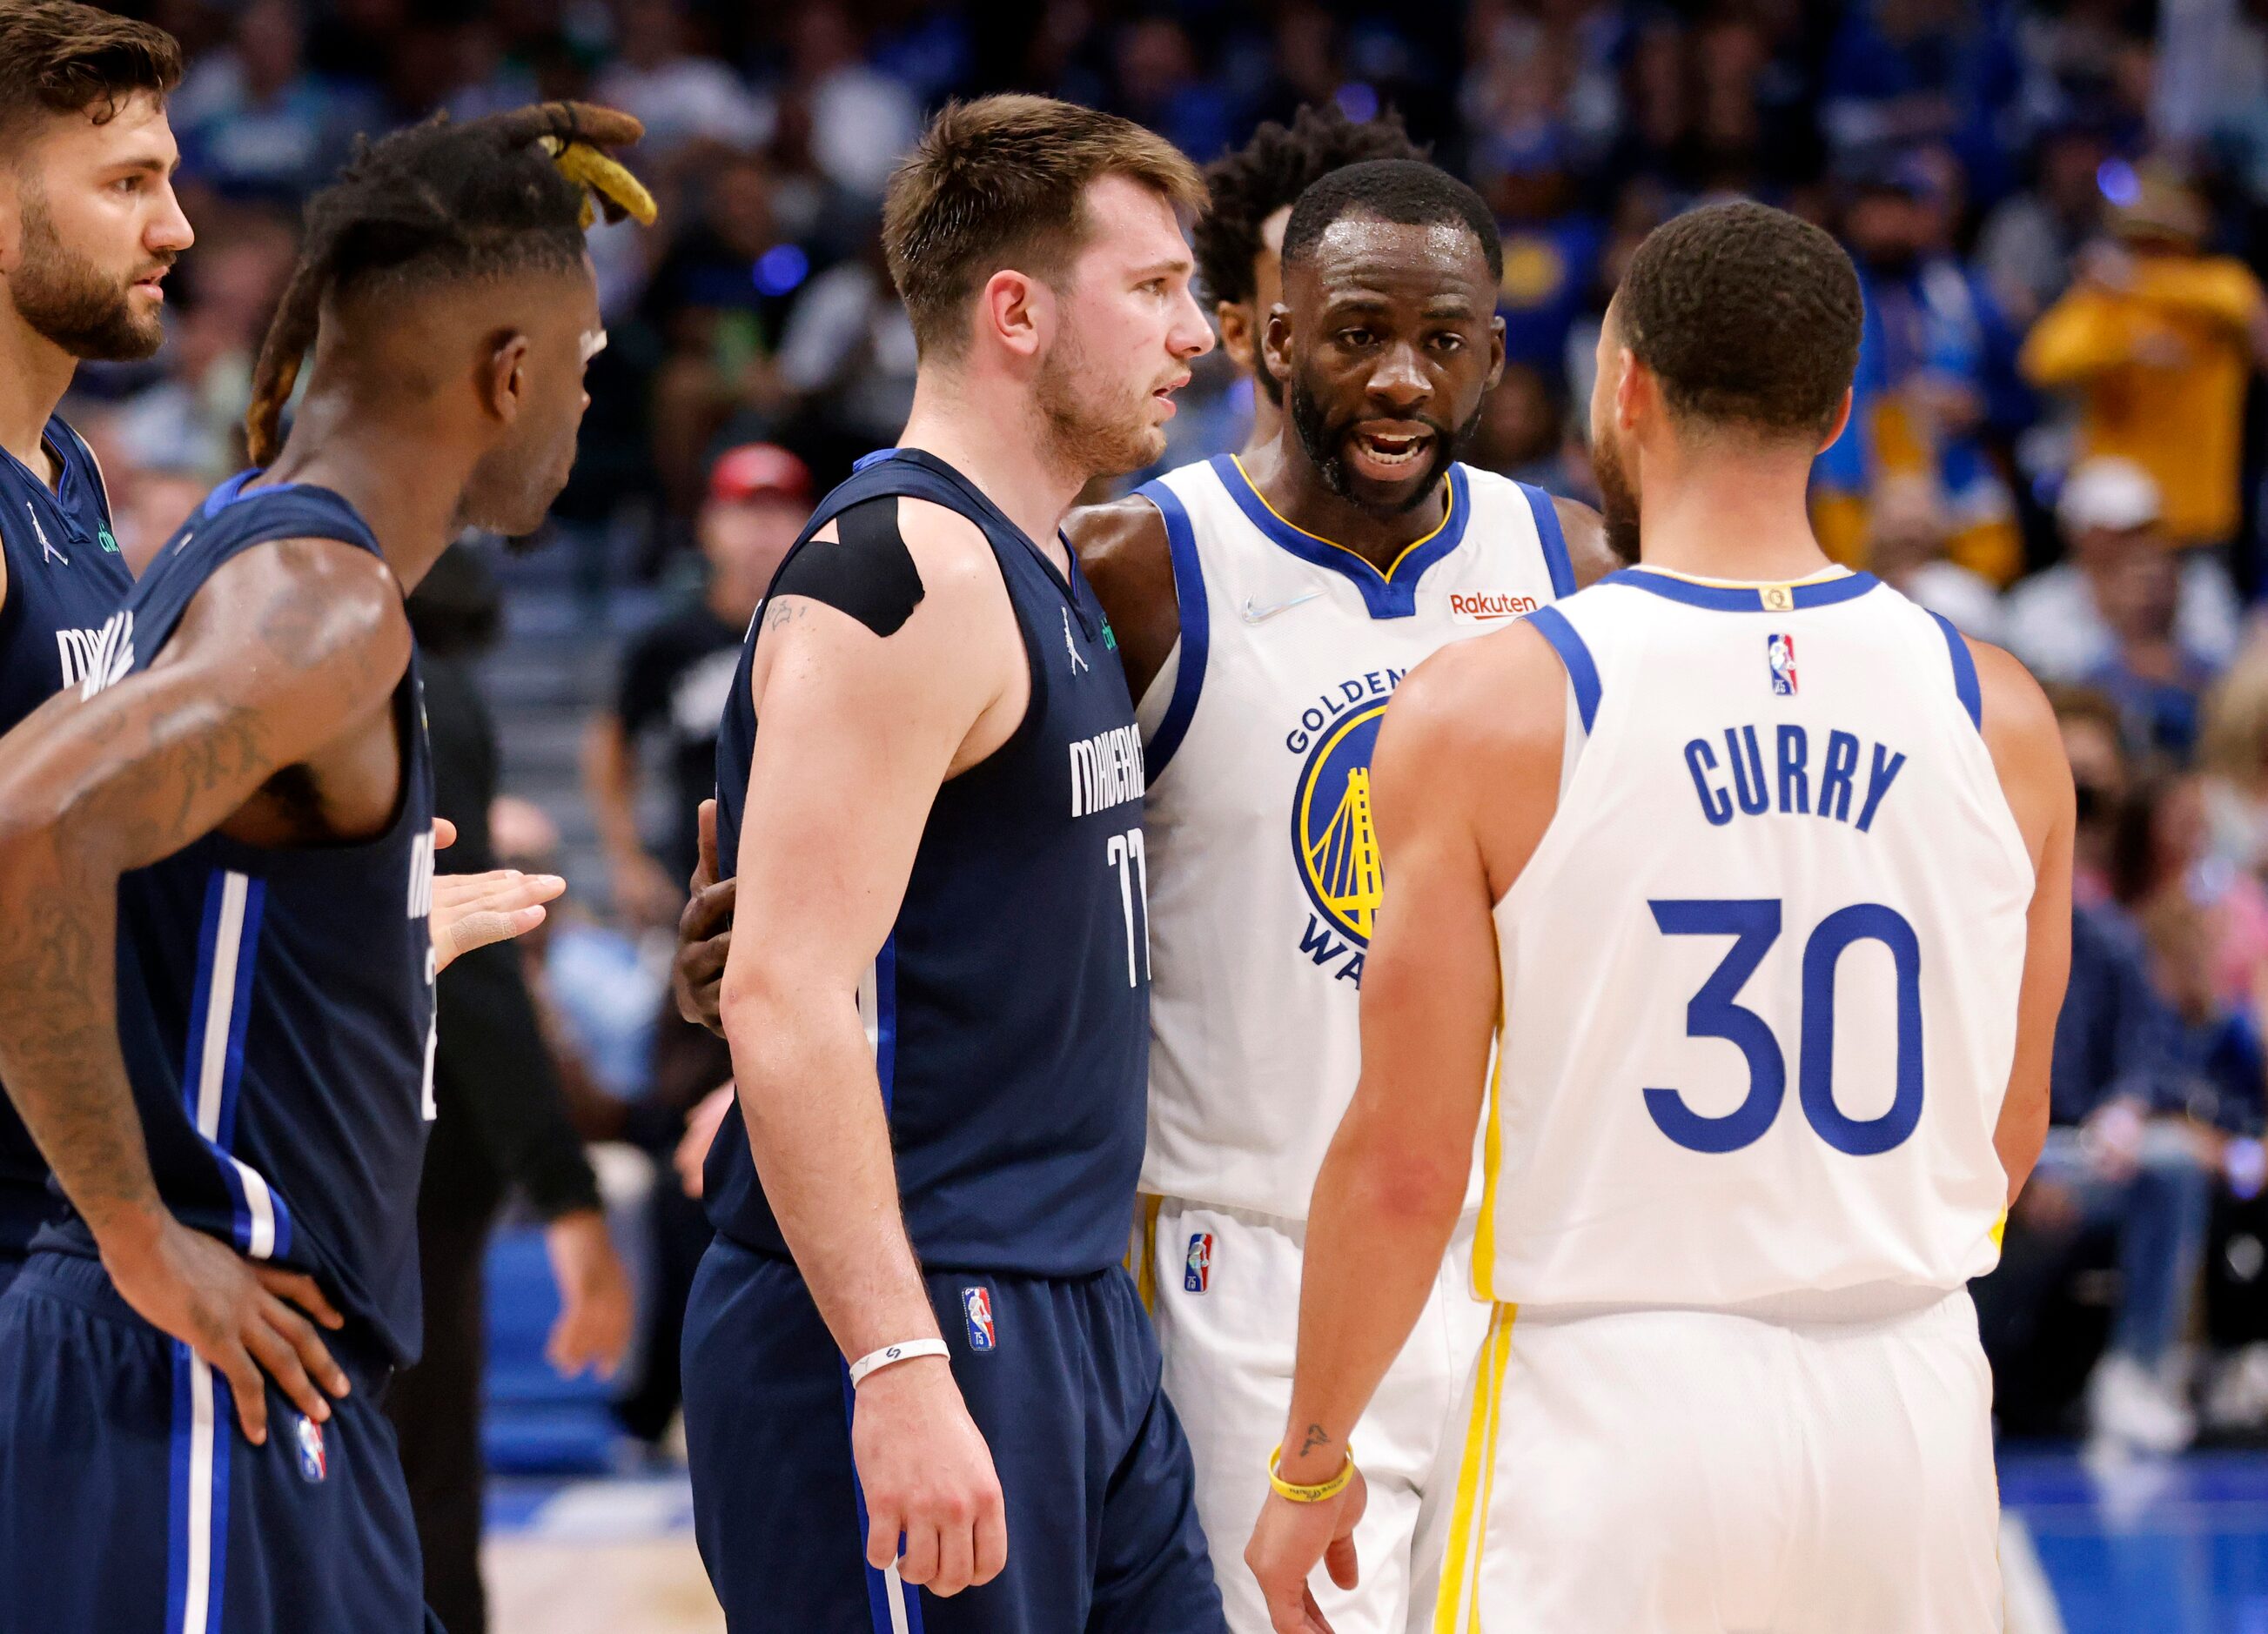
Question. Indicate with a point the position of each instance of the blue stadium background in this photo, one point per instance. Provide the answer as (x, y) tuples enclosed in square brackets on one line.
[(2059, 210)]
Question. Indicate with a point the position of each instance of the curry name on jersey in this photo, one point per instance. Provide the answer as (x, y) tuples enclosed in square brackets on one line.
[(1761, 973)]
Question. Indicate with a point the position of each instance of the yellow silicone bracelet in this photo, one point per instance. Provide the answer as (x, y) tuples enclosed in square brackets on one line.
[(1320, 1492)]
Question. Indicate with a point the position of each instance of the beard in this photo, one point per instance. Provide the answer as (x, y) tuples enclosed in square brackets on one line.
[(70, 300), (1096, 426), (1617, 500), (1324, 438)]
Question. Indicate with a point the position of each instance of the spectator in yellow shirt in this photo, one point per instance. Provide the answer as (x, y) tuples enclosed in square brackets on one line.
[(2158, 339)]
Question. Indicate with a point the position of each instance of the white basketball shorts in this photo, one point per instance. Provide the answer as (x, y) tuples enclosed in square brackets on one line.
[(1227, 1308), (1819, 1465)]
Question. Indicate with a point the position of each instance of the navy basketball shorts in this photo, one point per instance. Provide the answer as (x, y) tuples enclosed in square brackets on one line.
[(134, 1502), (1061, 1376)]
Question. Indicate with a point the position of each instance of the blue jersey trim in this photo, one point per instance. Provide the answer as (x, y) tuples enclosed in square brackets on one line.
[(1554, 540), (1387, 595), (886, 1072), (1964, 672), (222, 1143), (247, 952), (219, 1438), (233, 490), (1742, 598), (886, 1018), (1582, 673), (177, 1491), (878, 1585), (1196, 626)]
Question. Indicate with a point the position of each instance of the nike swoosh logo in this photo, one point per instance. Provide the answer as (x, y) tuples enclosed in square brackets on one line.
[(1257, 614)]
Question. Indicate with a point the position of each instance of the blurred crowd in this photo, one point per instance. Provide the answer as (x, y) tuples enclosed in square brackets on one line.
[(2059, 211)]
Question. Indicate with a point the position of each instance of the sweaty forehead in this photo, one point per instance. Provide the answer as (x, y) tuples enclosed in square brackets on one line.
[(1362, 253)]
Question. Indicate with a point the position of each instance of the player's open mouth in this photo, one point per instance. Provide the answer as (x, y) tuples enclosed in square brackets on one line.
[(1164, 395), (1390, 452)]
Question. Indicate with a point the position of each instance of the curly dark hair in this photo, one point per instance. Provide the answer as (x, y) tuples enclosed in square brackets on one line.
[(1269, 172), (60, 57), (444, 199), (1747, 315)]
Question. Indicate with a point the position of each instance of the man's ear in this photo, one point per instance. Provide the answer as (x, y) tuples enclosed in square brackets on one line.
[(1842, 420), (1496, 352), (1276, 342), (503, 380), (1238, 335), (1634, 389), (1017, 310)]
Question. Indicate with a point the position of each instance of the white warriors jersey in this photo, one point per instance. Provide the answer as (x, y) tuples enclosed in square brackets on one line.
[(1264, 864), (1760, 977)]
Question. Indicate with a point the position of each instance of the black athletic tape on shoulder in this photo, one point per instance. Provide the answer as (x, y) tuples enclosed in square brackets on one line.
[(866, 571)]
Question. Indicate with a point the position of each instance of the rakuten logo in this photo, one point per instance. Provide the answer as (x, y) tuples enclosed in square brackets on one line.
[(1485, 607)]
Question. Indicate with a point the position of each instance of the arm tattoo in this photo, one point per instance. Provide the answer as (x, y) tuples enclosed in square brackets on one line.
[(782, 613), (61, 1060), (1316, 1437), (114, 783)]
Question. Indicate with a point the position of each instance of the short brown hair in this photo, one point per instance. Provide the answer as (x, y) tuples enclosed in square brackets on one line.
[(60, 57), (1747, 315), (1001, 181)]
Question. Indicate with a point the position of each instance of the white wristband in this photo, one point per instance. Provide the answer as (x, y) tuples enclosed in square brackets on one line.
[(905, 1350)]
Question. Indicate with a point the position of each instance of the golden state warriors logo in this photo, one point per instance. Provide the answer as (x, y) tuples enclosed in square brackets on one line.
[(1332, 835)]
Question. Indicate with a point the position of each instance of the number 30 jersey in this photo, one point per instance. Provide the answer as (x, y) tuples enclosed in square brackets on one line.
[(1760, 977)]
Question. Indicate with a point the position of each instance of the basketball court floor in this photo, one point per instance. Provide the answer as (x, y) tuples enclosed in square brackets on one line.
[(2149, 1548)]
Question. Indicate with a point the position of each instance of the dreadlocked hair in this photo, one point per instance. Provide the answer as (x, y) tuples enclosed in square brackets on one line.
[(443, 201), (1269, 174)]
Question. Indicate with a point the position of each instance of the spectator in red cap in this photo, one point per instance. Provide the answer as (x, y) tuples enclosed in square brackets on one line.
[(675, 676)]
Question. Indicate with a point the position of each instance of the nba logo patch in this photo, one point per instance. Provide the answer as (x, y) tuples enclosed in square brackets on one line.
[(1780, 656), (1196, 1271), (976, 1305), (307, 1438)]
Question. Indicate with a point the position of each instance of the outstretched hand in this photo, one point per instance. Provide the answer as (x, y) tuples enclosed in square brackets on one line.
[(474, 910)]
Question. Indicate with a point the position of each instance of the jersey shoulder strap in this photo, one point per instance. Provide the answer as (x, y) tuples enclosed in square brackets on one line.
[(74, 447), (913, 474), (232, 519), (1488, 489)]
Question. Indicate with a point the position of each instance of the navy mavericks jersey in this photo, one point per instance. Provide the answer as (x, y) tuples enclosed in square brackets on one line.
[(1009, 1008), (65, 577), (275, 1005)]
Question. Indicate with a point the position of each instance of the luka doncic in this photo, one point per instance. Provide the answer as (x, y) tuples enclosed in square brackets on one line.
[(920, 1393)]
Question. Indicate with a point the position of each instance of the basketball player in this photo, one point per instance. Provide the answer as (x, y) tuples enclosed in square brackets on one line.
[(1266, 606), (913, 1323), (1759, 876), (86, 163), (90, 227), (216, 971), (1242, 1092), (1238, 239)]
